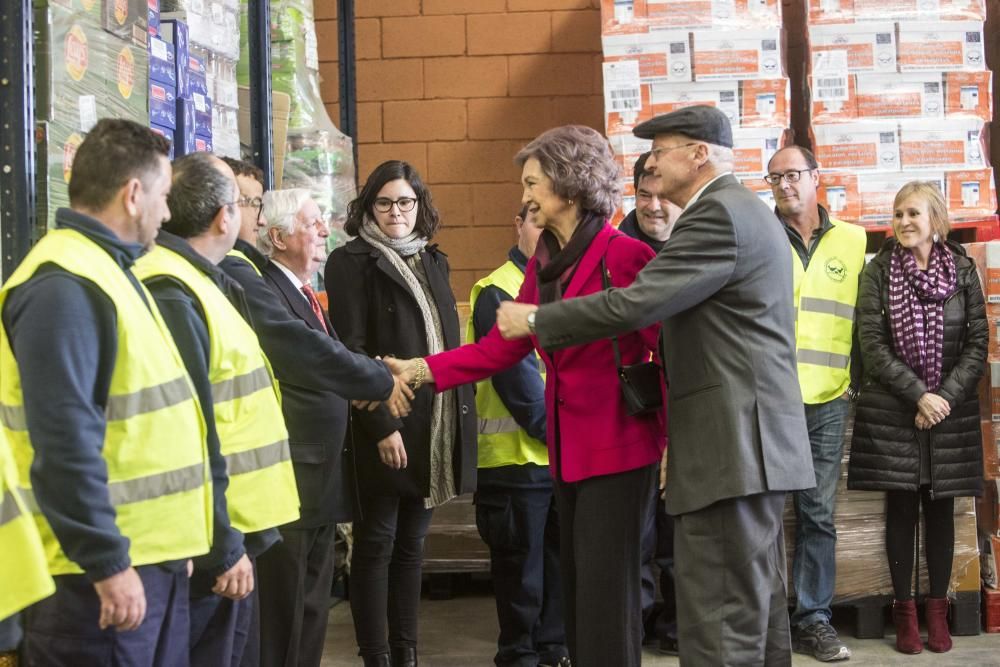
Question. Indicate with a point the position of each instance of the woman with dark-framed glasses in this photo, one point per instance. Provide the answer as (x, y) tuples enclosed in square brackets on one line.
[(390, 296)]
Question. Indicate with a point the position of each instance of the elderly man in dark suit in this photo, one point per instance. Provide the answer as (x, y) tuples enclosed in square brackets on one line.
[(722, 287)]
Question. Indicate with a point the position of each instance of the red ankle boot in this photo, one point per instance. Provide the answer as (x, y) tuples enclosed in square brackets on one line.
[(938, 636), (904, 617)]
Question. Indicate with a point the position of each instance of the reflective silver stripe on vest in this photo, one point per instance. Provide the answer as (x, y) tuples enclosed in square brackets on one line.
[(258, 459), (157, 486), (241, 385), (9, 509), (28, 496), (827, 306), (12, 416), (498, 425), (817, 358), (149, 399)]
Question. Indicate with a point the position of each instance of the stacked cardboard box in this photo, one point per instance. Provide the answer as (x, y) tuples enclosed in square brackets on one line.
[(900, 92), (662, 55), (90, 63)]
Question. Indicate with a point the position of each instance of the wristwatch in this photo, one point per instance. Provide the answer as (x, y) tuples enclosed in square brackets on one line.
[(531, 321)]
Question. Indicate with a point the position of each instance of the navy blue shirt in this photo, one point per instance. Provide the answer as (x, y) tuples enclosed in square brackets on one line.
[(520, 387)]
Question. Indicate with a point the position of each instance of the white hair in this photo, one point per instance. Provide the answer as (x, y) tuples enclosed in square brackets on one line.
[(721, 157), (280, 207)]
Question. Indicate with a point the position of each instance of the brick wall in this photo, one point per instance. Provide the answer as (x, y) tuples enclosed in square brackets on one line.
[(456, 87)]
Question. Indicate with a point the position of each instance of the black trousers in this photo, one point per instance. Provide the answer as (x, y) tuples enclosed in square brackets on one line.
[(659, 619), (294, 578), (601, 522), (732, 587), (517, 518), (385, 572), (902, 512)]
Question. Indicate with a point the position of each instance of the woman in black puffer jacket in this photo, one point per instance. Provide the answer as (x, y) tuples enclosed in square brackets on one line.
[(923, 333)]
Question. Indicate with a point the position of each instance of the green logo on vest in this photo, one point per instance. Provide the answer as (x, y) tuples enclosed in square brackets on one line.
[(836, 270)]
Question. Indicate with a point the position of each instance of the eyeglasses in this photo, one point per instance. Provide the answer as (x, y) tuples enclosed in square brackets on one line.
[(791, 176), (655, 153), (384, 204), (250, 202)]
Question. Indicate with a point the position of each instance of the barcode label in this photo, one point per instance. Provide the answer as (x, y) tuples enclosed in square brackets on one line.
[(622, 90), (830, 76), (831, 89), (625, 99)]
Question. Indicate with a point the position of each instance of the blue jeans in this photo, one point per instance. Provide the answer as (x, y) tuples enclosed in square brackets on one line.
[(814, 569)]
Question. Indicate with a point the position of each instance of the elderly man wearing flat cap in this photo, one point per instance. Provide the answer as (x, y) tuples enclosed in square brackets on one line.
[(722, 286)]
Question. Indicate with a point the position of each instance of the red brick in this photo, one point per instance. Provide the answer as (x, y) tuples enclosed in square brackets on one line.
[(423, 36), (578, 30), (326, 41), (496, 204), (524, 32), (364, 8), (425, 120), (325, 9), (463, 6), (454, 203), (329, 82), (368, 39), (479, 249), (471, 162), (509, 117), (466, 77), (389, 80), (535, 5), (551, 74), (579, 110), (372, 155), (369, 122)]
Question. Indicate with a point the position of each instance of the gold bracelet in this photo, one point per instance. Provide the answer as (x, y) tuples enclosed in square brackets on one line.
[(421, 375)]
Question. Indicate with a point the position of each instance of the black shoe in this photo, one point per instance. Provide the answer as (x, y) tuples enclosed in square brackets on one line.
[(820, 641), (668, 646), (404, 657), (562, 662), (381, 660)]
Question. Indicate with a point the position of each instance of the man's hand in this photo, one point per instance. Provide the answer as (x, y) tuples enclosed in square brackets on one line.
[(663, 473), (933, 408), (399, 400), (123, 600), (512, 319), (237, 582), (392, 452)]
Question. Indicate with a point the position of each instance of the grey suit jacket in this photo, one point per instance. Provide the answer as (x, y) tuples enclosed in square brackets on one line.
[(722, 286)]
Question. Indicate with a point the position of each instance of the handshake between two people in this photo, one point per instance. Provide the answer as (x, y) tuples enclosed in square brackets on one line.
[(408, 375)]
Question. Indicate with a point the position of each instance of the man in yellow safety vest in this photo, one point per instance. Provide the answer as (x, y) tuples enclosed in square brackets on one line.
[(828, 256)]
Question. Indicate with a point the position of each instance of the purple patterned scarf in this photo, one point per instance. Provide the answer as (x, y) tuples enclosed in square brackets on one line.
[(916, 309)]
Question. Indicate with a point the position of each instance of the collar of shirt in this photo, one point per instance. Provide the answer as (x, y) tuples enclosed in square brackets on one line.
[(291, 276), (123, 252), (698, 194)]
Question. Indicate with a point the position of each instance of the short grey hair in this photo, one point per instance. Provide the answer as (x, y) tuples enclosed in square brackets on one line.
[(280, 207), (199, 188), (581, 165), (721, 157)]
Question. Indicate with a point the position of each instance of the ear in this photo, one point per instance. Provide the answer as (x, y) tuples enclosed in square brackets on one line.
[(222, 220), (701, 154), (274, 235), (130, 194)]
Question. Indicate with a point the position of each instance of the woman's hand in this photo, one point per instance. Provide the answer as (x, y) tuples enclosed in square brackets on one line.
[(392, 452), (933, 408), (921, 422)]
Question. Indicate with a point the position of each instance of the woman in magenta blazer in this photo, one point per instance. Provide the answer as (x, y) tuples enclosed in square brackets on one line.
[(603, 460)]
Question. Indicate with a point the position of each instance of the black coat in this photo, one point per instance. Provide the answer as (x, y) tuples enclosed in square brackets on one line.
[(316, 375), (884, 451), (374, 312)]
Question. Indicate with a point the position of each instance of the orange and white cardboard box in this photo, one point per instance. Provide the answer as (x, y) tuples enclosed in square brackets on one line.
[(909, 95), (834, 98), (714, 13), (753, 148), (628, 148), (746, 54), (662, 55), (969, 94), (992, 288), (953, 143), (878, 190), (849, 11), (941, 45), (971, 193), (760, 188), (626, 99), (724, 95), (863, 146), (838, 193), (764, 103), (870, 47)]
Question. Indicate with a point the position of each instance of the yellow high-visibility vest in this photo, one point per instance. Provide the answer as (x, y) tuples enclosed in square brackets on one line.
[(24, 575), (239, 255), (825, 297), (159, 481), (501, 441), (247, 406)]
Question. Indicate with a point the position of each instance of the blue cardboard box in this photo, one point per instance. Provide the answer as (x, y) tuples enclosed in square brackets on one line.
[(192, 143), (162, 62), (162, 104), (153, 17), (175, 32), (165, 132), (197, 82)]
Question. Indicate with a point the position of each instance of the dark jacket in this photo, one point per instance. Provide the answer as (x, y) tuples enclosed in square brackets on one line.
[(316, 375), (374, 312), (884, 450), (630, 227)]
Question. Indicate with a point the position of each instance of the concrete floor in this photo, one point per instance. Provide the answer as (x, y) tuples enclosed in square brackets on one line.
[(461, 632)]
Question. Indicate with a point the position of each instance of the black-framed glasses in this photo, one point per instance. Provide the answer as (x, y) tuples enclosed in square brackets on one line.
[(790, 176), (655, 153), (384, 204)]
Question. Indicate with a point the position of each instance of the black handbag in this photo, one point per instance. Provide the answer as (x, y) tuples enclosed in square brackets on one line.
[(640, 384)]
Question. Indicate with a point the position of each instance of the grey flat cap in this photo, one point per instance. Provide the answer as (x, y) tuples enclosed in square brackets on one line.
[(703, 123)]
